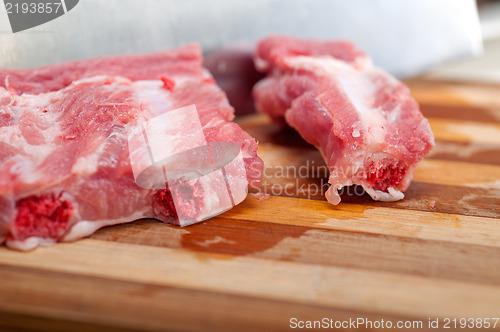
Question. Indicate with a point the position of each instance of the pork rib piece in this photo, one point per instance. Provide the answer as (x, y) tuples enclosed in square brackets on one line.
[(65, 167), (365, 123), (184, 61)]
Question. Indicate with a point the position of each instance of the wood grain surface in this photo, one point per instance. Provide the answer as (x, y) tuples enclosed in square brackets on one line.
[(435, 254)]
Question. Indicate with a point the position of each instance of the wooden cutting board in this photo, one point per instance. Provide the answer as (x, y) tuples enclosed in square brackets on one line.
[(435, 254)]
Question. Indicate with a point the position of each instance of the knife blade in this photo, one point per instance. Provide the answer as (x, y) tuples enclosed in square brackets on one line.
[(403, 37)]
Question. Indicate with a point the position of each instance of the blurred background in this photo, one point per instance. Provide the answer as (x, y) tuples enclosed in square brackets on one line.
[(485, 67), (403, 37)]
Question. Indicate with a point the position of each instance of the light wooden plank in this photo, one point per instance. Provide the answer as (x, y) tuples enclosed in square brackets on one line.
[(465, 131), (370, 219), (435, 259), (350, 289), (475, 153), (76, 303), (458, 173), (481, 99), (425, 90)]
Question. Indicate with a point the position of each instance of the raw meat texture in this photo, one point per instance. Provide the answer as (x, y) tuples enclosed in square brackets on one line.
[(65, 169), (368, 128), (184, 61)]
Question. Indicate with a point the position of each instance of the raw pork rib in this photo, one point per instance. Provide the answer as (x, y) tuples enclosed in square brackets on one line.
[(65, 169), (365, 123)]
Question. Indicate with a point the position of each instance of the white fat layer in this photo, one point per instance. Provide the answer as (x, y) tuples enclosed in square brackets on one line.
[(86, 165), (30, 243), (391, 196), (333, 197), (85, 228), (357, 85), (25, 164), (152, 94)]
